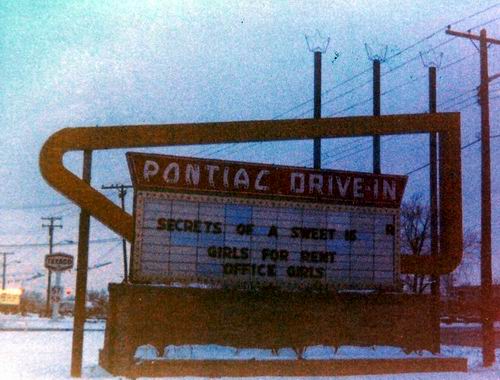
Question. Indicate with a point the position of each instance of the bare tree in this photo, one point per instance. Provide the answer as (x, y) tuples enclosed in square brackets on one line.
[(415, 240), (415, 226), (470, 262)]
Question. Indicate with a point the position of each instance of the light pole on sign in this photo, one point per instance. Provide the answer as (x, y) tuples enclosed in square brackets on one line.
[(318, 45), (377, 54)]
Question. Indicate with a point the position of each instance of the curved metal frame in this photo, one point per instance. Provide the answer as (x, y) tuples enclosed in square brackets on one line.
[(118, 137)]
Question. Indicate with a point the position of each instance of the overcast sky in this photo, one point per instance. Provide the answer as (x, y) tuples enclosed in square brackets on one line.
[(86, 63)]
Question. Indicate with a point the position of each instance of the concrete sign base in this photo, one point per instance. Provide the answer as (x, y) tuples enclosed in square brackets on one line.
[(162, 316)]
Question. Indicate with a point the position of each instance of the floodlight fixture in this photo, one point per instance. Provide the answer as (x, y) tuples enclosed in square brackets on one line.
[(316, 43), (431, 58), (377, 52)]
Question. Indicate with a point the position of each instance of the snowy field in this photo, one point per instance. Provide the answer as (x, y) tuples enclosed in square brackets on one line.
[(37, 354), (33, 322)]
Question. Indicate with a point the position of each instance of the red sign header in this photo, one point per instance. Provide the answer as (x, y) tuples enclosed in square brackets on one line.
[(188, 174)]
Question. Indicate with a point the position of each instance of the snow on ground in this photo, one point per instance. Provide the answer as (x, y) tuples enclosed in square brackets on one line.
[(34, 322), (34, 354), (214, 351), (45, 354), (467, 325)]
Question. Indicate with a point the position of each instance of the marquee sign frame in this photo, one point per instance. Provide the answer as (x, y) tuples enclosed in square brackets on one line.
[(291, 228), (141, 275), (447, 125)]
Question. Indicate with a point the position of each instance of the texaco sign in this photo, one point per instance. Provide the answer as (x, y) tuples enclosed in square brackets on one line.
[(253, 225)]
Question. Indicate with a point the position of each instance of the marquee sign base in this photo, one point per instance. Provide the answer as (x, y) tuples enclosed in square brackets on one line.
[(263, 368), (162, 316)]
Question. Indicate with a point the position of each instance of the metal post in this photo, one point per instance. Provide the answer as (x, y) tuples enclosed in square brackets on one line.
[(4, 269), (433, 180), (51, 227), (486, 272), (317, 106), (58, 290), (318, 45), (47, 301), (376, 112), (81, 277)]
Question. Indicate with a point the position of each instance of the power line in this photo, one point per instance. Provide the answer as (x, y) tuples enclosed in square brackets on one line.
[(105, 253), (462, 148), (327, 155), (366, 100), (474, 103), (32, 276), (461, 102), (28, 207), (457, 96), (392, 90), (367, 71), (369, 146), (414, 58), (405, 83), (62, 243), (423, 166), (432, 48), (440, 30)]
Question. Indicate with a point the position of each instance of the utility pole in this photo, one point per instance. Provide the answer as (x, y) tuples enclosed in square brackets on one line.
[(488, 330), (50, 226), (4, 267), (122, 192), (317, 45)]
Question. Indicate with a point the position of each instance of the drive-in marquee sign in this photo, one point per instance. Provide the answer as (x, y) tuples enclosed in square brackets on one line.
[(255, 225), (97, 205)]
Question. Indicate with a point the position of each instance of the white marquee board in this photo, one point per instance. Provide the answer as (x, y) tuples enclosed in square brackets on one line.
[(254, 243)]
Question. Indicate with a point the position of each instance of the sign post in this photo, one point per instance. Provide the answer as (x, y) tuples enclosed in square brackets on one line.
[(57, 262)]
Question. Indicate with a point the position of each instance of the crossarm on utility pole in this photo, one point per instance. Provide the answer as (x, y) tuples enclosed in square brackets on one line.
[(493, 77), (471, 36)]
